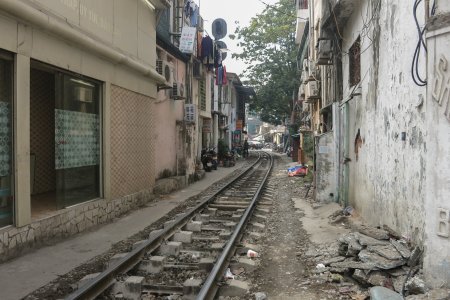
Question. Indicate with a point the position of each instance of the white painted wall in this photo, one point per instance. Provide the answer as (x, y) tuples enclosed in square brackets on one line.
[(437, 205), (387, 179)]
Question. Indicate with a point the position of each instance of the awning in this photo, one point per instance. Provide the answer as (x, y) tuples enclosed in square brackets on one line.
[(245, 90)]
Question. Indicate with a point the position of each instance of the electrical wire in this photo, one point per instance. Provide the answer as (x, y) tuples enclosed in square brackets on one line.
[(418, 80)]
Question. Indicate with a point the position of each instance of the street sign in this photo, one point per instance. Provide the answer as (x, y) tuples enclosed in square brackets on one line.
[(187, 39)]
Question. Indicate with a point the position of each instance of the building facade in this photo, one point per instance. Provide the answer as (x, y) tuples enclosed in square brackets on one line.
[(77, 99), (377, 132)]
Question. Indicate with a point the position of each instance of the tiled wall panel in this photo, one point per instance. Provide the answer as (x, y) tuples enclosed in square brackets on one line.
[(132, 144)]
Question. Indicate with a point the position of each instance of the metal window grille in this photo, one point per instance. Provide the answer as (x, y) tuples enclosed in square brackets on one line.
[(355, 63), (202, 92)]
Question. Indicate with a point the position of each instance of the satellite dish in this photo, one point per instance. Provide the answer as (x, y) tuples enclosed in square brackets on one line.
[(222, 45), (219, 29)]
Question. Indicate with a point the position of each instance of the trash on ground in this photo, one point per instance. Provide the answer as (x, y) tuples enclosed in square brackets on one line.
[(299, 170), (251, 253)]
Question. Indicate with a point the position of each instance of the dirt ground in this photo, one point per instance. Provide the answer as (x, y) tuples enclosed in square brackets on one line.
[(296, 233)]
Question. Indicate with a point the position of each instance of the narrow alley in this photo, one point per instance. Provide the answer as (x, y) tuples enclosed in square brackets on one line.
[(257, 149)]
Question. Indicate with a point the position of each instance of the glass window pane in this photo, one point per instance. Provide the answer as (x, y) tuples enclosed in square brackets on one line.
[(6, 100), (77, 140)]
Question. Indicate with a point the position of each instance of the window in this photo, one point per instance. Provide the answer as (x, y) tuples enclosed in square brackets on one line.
[(202, 94), (354, 57), (77, 140), (6, 101)]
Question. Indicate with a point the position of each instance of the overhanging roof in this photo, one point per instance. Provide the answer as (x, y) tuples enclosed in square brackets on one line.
[(245, 90)]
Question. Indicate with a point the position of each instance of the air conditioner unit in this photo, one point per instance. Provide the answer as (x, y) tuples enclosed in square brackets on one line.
[(313, 71), (165, 69), (312, 91), (177, 91), (301, 90), (324, 52), (305, 77), (305, 107)]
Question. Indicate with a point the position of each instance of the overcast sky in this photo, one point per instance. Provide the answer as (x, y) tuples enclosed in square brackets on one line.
[(231, 11)]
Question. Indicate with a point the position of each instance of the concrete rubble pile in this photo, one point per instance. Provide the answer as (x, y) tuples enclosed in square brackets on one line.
[(374, 257)]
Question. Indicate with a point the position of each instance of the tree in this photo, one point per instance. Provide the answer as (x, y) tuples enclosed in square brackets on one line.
[(269, 50)]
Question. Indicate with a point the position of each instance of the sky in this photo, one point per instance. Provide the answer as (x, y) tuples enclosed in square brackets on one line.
[(231, 11)]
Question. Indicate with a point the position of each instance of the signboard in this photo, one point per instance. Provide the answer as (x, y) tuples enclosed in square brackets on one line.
[(206, 125), (187, 39), (239, 124), (189, 113)]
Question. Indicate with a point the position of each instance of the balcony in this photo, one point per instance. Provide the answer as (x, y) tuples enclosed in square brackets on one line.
[(302, 18)]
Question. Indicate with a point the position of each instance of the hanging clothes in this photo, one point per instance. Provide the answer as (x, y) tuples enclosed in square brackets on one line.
[(221, 75), (199, 44), (207, 47), (217, 56), (187, 8), (224, 76), (194, 14)]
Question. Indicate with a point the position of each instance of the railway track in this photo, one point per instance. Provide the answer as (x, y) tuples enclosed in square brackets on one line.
[(188, 258)]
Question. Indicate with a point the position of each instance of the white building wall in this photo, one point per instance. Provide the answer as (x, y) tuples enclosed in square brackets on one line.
[(386, 173), (437, 111)]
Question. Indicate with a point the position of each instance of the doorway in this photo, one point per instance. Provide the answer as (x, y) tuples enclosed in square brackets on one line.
[(65, 140)]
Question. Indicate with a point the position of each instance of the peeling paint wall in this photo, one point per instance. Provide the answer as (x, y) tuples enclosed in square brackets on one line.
[(437, 205), (386, 132), (167, 137), (325, 168)]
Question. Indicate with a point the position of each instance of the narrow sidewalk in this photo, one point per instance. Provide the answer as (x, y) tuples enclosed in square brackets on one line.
[(24, 274)]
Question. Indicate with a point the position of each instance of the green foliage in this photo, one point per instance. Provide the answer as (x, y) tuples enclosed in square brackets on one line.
[(222, 148), (308, 145), (269, 48)]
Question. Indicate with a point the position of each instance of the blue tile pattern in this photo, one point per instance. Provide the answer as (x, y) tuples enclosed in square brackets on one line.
[(5, 139), (77, 139)]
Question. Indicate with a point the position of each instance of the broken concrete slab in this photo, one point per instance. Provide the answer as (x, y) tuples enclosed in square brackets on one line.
[(373, 232), (387, 251), (401, 247), (360, 276), (382, 293), (329, 261), (348, 238), (378, 278), (354, 265), (370, 241), (398, 283), (353, 248), (415, 257), (379, 261), (415, 285)]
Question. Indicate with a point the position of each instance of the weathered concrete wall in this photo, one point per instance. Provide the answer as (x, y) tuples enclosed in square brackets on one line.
[(325, 167), (69, 221), (386, 172), (437, 205), (167, 133)]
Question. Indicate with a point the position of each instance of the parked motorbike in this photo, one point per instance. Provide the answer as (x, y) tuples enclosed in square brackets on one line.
[(209, 159)]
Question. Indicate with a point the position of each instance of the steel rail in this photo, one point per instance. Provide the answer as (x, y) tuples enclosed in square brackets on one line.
[(105, 279), (209, 288)]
